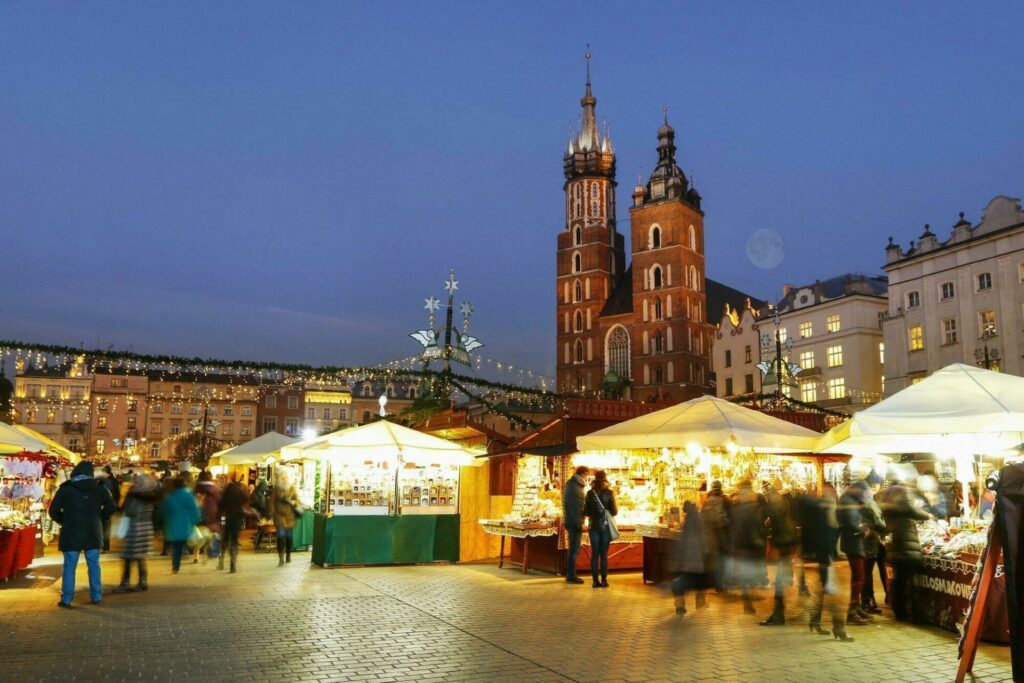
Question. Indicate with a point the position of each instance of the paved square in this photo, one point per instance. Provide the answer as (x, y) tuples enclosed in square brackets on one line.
[(459, 622)]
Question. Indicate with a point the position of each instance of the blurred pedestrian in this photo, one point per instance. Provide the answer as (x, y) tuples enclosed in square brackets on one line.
[(208, 497), (233, 505), (852, 529), (574, 494), (903, 507), (688, 559), (748, 540), (81, 505), (283, 502), (874, 550), (783, 539), (180, 514), (138, 508), (113, 487), (715, 514), (600, 502), (818, 534)]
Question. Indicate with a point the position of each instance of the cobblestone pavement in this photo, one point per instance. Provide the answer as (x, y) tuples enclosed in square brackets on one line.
[(464, 622)]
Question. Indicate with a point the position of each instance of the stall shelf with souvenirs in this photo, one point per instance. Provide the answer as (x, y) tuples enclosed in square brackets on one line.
[(959, 445), (27, 483), (662, 460), (390, 495)]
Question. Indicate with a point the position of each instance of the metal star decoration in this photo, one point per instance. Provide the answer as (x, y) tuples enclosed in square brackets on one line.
[(466, 308), (432, 304), (451, 284)]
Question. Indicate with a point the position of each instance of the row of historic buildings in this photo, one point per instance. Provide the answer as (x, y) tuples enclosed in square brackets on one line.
[(654, 327), (147, 413)]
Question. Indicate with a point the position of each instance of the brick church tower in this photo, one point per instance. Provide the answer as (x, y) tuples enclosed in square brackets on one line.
[(670, 335), (590, 252)]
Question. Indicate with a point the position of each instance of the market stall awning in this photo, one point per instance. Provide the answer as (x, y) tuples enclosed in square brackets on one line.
[(253, 452), (706, 421), (960, 408), (383, 440), (18, 438)]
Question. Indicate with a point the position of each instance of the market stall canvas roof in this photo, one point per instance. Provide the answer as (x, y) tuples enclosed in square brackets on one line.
[(383, 440), (253, 452), (957, 407), (707, 421), (17, 438)]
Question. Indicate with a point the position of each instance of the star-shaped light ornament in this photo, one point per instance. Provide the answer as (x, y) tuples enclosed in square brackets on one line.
[(451, 284), (466, 308), (432, 304)]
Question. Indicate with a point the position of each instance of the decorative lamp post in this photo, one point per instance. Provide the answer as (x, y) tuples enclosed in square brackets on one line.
[(985, 357)]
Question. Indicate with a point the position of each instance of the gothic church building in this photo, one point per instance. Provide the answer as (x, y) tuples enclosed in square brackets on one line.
[(637, 331)]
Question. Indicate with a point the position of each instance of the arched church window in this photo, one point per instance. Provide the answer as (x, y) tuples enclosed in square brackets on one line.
[(656, 280), (579, 321), (694, 280), (655, 241), (577, 262), (693, 238), (657, 308), (578, 292), (579, 351), (577, 237), (618, 352)]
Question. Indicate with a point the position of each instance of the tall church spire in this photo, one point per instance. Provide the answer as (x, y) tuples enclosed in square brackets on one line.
[(587, 153), (589, 138)]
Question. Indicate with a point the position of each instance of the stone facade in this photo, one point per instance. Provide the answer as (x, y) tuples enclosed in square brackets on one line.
[(951, 301)]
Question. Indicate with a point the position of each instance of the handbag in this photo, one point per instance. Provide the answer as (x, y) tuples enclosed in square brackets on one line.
[(613, 529), (121, 530)]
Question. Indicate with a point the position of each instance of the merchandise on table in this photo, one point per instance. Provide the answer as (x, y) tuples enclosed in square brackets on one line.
[(940, 538), (537, 502), (429, 490)]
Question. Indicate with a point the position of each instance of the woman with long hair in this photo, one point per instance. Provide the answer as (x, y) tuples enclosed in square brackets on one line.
[(138, 508), (600, 500)]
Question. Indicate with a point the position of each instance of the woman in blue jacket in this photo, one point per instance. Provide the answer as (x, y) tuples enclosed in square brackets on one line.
[(180, 513)]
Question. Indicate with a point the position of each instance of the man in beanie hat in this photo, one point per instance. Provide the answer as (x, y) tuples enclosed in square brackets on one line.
[(80, 506)]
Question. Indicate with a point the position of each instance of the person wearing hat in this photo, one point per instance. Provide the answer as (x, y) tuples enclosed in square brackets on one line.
[(138, 508), (81, 506), (715, 514)]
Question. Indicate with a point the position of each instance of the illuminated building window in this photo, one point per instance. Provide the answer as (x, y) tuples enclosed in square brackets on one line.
[(293, 403), (101, 422), (193, 409), (881, 353), (806, 360), (131, 422), (987, 321), (618, 352), (176, 408), (310, 413), (835, 356), (154, 450), (806, 330), (246, 411), (229, 410), (832, 323), (100, 445), (228, 430), (103, 405), (246, 429), (837, 388), (808, 392), (272, 400), (916, 338), (156, 427)]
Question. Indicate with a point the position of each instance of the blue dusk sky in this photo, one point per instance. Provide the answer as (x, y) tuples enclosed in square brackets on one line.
[(289, 181)]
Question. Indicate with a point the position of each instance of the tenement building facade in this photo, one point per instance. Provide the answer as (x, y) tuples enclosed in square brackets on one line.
[(957, 301)]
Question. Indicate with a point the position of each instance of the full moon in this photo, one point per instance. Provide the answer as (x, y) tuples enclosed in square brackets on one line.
[(764, 248)]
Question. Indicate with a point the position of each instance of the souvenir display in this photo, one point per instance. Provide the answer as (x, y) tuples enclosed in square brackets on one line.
[(428, 489), (362, 489)]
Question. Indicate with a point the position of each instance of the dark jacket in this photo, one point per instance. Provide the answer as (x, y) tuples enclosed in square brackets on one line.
[(80, 506), (208, 497), (233, 502), (715, 515), (903, 508), (781, 522), (874, 527), (594, 511), (850, 515), (573, 498), (748, 529), (817, 528), (689, 551), (113, 486)]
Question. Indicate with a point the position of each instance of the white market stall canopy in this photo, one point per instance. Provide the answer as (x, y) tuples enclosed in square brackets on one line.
[(253, 452), (708, 422), (959, 408), (17, 438), (382, 440)]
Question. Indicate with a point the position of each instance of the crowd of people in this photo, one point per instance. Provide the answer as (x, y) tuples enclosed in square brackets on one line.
[(731, 541), (197, 514)]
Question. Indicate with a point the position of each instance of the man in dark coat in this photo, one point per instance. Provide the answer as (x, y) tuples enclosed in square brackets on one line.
[(852, 529), (233, 508), (113, 486), (783, 536), (574, 496), (903, 507), (748, 539), (715, 514), (81, 506)]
